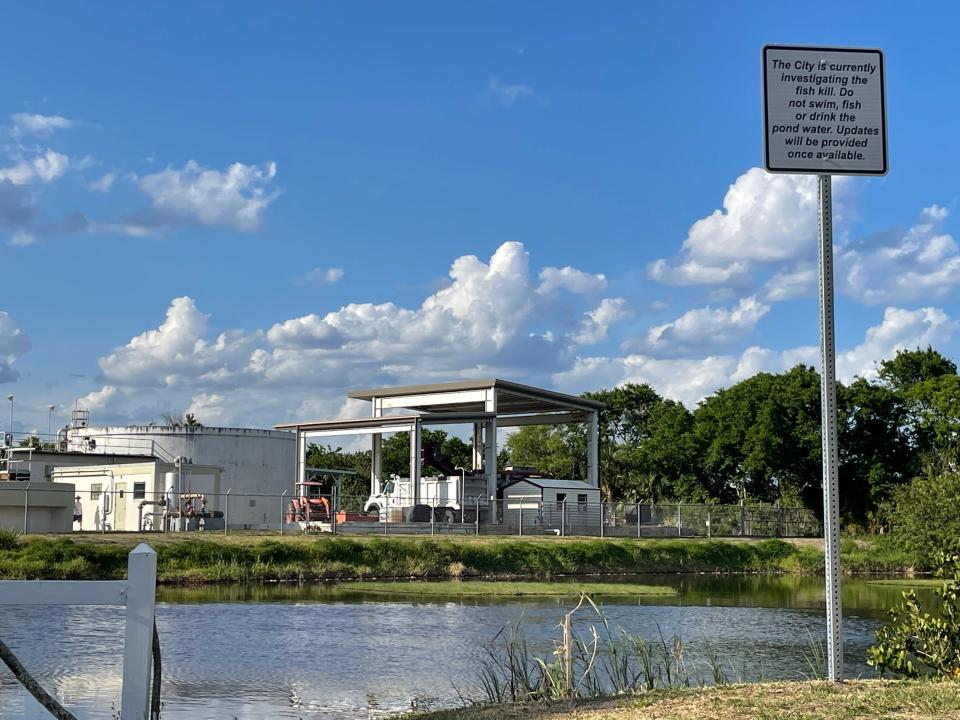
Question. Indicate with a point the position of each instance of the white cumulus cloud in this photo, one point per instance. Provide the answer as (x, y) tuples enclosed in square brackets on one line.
[(320, 276), (764, 219), (707, 328), (26, 123), (924, 263), (44, 167), (195, 195), (13, 344), (570, 279), (508, 94)]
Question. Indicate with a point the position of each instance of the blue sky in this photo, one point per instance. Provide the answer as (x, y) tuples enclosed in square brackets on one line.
[(243, 210)]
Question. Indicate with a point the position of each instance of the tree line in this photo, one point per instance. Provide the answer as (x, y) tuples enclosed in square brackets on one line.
[(759, 440)]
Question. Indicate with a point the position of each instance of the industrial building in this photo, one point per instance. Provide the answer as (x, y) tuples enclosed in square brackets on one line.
[(252, 461), (37, 465), (146, 495)]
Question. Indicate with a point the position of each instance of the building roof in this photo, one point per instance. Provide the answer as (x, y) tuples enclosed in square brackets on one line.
[(554, 483), (512, 398), (76, 453), (380, 424)]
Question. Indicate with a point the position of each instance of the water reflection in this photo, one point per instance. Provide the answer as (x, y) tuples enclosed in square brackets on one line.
[(314, 651)]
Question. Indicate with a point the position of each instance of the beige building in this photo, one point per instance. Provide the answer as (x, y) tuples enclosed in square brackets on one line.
[(135, 496)]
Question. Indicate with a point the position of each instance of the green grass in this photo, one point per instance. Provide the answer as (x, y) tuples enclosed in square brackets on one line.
[(503, 588), (851, 700), (252, 557), (909, 582)]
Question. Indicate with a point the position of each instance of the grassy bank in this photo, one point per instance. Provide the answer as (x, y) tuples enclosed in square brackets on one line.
[(504, 588), (899, 699), (253, 558)]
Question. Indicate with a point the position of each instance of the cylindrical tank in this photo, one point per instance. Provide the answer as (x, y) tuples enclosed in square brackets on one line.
[(252, 460)]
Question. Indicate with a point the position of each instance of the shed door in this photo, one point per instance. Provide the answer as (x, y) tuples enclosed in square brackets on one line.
[(121, 506)]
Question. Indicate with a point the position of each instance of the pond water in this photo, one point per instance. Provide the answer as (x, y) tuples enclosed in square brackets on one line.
[(311, 652)]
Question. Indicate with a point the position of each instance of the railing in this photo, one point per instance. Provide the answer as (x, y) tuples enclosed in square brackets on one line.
[(137, 593)]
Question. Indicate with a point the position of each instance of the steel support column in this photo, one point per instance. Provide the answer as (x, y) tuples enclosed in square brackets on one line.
[(415, 461), (593, 449)]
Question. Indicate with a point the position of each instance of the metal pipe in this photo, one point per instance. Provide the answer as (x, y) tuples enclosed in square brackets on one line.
[(26, 506), (463, 489), (226, 512)]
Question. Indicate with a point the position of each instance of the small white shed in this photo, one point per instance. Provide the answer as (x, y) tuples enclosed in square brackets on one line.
[(128, 497), (551, 503)]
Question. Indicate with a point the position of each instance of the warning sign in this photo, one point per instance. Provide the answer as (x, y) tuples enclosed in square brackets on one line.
[(824, 110)]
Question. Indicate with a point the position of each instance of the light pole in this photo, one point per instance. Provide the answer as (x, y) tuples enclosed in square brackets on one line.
[(10, 398), (51, 408)]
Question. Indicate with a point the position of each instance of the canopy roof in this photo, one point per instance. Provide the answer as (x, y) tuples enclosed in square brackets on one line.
[(511, 398)]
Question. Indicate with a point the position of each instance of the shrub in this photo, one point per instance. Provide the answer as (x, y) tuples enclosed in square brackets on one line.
[(10, 540), (917, 644), (924, 516)]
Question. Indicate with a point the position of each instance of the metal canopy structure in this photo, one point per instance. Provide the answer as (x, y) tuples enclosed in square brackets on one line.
[(485, 404)]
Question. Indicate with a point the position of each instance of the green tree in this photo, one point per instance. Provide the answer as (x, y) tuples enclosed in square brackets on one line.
[(545, 447), (760, 439), (875, 449), (929, 386), (909, 367)]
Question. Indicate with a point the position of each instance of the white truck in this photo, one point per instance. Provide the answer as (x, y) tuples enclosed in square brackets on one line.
[(449, 498)]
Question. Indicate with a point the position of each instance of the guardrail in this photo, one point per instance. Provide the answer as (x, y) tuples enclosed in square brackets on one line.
[(137, 593)]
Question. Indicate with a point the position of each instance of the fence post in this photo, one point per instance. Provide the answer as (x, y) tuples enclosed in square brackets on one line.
[(26, 506), (638, 520), (333, 509), (520, 518), (226, 512), (386, 512), (601, 518), (281, 511), (563, 517), (138, 636), (709, 527), (433, 514), (679, 522), (476, 514)]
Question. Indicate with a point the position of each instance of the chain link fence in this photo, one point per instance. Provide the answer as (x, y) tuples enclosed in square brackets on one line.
[(132, 509)]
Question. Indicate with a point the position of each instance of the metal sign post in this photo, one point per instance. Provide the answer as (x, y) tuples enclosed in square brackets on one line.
[(828, 432), (824, 113)]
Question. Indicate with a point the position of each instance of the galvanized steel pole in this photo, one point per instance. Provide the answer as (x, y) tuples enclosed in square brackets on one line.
[(828, 412)]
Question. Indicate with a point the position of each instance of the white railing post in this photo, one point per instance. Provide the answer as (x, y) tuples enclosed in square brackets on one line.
[(601, 518), (638, 520), (282, 497), (520, 519), (138, 638)]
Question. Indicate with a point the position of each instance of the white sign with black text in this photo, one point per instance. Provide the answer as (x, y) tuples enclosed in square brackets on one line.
[(824, 110)]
